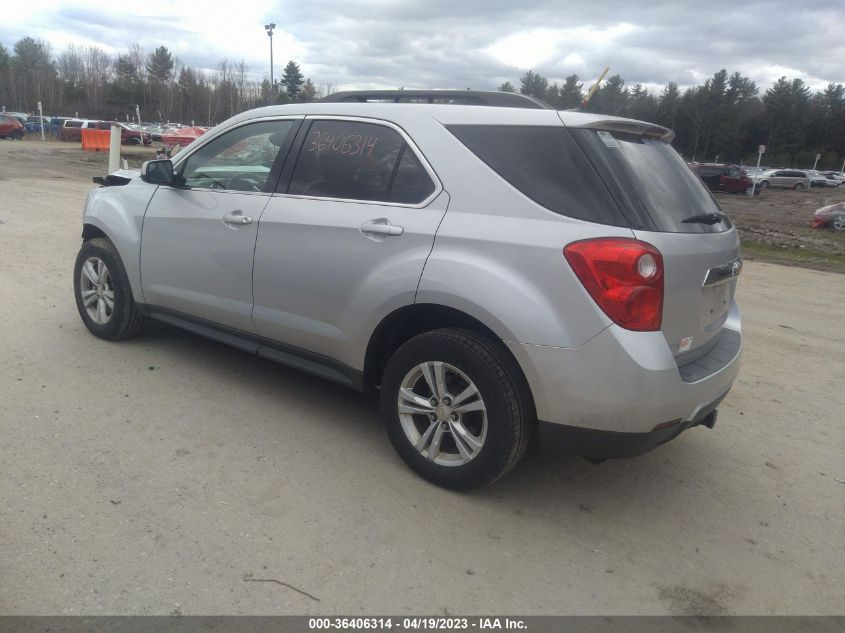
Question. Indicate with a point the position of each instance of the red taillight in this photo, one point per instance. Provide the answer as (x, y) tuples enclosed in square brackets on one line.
[(624, 277)]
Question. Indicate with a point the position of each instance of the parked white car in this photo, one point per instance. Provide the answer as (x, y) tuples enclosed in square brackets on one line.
[(818, 179)]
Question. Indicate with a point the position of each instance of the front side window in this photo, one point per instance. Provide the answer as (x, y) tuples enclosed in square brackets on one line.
[(239, 160), (351, 160)]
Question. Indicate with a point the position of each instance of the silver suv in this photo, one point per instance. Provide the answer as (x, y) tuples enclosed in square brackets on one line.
[(499, 271)]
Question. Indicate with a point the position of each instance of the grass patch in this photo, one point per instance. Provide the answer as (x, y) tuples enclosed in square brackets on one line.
[(802, 257)]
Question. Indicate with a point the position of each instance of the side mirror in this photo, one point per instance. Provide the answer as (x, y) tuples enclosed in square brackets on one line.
[(158, 172)]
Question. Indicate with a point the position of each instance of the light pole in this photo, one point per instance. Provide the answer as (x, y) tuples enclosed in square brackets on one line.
[(269, 28)]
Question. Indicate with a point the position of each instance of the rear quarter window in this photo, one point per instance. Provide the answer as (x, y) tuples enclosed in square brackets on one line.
[(546, 165)]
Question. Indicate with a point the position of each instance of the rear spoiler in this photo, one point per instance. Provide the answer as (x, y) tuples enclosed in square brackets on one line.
[(629, 126)]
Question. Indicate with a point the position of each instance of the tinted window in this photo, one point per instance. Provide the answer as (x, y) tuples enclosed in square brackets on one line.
[(545, 164), (350, 160), (708, 171), (239, 160), (411, 183), (655, 180)]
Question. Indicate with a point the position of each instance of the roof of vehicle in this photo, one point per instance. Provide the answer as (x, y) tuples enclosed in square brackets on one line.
[(440, 97), (448, 114)]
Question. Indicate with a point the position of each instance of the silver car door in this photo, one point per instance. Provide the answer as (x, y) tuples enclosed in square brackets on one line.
[(198, 239), (347, 244)]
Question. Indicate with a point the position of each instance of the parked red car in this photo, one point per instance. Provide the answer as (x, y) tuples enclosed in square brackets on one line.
[(10, 127), (832, 215), (724, 178), (182, 136)]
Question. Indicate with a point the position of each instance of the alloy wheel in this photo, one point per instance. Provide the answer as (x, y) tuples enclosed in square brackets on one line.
[(442, 413), (96, 290)]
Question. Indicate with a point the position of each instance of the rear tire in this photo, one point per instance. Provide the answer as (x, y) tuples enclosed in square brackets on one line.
[(103, 294), (800, 186), (764, 185), (455, 440)]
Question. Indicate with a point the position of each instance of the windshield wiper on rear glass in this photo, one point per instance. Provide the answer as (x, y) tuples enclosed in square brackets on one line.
[(704, 218)]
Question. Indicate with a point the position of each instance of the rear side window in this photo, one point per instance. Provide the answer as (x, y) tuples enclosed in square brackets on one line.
[(545, 164), (351, 160)]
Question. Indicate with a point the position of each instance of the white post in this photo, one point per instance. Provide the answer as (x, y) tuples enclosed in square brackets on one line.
[(760, 150), (114, 149), (41, 118), (138, 114), (818, 156), (843, 167)]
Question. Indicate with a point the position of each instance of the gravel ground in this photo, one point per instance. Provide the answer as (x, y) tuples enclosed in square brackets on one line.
[(169, 473)]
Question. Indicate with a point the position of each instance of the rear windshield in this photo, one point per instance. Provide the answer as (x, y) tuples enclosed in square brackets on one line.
[(656, 181), (545, 164)]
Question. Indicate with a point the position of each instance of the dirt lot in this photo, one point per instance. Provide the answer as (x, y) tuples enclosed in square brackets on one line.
[(775, 226), (168, 473)]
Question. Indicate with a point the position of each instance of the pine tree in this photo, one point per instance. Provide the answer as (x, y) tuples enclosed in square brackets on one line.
[(160, 65), (309, 91), (533, 84), (571, 93), (292, 80), (507, 87)]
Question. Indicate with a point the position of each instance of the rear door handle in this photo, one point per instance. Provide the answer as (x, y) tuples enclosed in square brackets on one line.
[(237, 218), (381, 226)]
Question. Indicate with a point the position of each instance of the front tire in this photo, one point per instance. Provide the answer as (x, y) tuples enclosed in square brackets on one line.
[(103, 294), (456, 408), (838, 222)]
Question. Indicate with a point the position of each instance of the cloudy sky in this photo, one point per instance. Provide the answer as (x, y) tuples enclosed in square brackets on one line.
[(465, 43)]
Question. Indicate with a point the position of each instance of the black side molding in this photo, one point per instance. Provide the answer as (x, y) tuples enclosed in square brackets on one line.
[(309, 362)]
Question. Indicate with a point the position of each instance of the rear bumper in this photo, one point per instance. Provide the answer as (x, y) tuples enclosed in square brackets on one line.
[(597, 444), (626, 384)]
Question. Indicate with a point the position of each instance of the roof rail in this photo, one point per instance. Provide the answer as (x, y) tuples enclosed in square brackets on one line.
[(455, 97)]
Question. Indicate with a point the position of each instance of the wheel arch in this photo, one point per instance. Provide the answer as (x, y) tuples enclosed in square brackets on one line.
[(408, 321), (91, 231)]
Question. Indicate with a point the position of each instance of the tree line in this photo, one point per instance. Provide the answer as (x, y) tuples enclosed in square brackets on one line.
[(724, 119), (94, 84)]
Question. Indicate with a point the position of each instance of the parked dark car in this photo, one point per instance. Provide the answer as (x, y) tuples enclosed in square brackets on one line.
[(724, 178), (33, 124), (10, 127)]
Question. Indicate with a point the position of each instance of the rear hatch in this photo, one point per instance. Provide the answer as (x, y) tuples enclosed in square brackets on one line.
[(669, 207)]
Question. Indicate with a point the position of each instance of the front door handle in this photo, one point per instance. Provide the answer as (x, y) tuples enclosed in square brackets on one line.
[(381, 226), (237, 218)]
